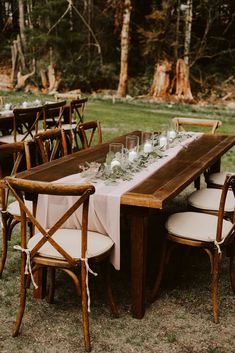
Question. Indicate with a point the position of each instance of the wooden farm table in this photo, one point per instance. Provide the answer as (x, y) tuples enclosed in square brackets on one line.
[(154, 192)]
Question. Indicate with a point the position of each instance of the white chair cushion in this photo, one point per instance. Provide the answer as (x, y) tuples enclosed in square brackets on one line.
[(209, 199), (10, 138), (14, 207), (218, 178), (70, 241), (196, 226), (68, 127)]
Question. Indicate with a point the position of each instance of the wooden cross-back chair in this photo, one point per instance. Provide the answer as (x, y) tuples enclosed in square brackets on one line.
[(53, 114), (77, 107), (90, 133), (209, 232), (52, 144), (25, 124), (14, 156), (59, 247), (180, 123), (217, 179)]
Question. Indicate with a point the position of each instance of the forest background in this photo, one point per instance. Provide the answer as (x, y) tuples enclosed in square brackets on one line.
[(128, 47)]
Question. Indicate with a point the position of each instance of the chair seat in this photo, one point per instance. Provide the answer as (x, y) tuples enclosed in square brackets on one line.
[(70, 241), (19, 137), (68, 127), (218, 178), (14, 208), (10, 138), (209, 199), (196, 226)]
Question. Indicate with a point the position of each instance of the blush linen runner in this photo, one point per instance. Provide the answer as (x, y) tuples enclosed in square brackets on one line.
[(104, 207)]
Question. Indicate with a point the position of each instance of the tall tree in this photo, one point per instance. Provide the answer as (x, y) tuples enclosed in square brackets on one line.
[(188, 29), (123, 76)]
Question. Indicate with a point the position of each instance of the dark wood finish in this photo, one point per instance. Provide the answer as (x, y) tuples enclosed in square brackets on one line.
[(22, 121), (66, 262), (12, 155), (87, 131), (51, 144), (215, 255), (77, 107), (53, 114), (153, 192)]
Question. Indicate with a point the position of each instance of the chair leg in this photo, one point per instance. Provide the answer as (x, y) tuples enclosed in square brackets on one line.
[(232, 266), (85, 309), (4, 241), (21, 307), (214, 285)]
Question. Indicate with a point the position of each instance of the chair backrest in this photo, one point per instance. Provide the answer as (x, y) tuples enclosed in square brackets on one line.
[(51, 144), (12, 158), (25, 122), (229, 184), (83, 191), (180, 122), (77, 107), (90, 132), (53, 114)]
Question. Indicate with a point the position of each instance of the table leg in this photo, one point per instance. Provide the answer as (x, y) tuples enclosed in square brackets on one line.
[(40, 278), (139, 217)]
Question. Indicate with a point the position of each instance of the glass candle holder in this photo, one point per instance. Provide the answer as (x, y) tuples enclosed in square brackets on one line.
[(163, 142), (132, 146), (147, 141), (115, 154), (7, 106)]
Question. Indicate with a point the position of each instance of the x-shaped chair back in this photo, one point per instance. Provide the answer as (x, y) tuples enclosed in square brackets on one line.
[(180, 122), (89, 132), (20, 186), (52, 144), (53, 114), (77, 107), (25, 121)]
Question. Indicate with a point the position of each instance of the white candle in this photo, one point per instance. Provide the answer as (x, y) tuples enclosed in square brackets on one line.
[(148, 147), (163, 141), (7, 106), (37, 102), (171, 134), (24, 104), (132, 155), (115, 163)]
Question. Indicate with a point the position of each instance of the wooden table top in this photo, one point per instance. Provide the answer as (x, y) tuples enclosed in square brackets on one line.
[(162, 186)]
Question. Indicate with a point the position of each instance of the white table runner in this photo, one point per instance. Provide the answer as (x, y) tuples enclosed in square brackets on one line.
[(104, 208)]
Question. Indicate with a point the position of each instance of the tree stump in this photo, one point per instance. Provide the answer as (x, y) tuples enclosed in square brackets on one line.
[(161, 80), (183, 90)]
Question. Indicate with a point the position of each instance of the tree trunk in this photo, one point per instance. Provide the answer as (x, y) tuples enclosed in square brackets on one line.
[(188, 29), (161, 80), (122, 86), (183, 90), (22, 23)]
